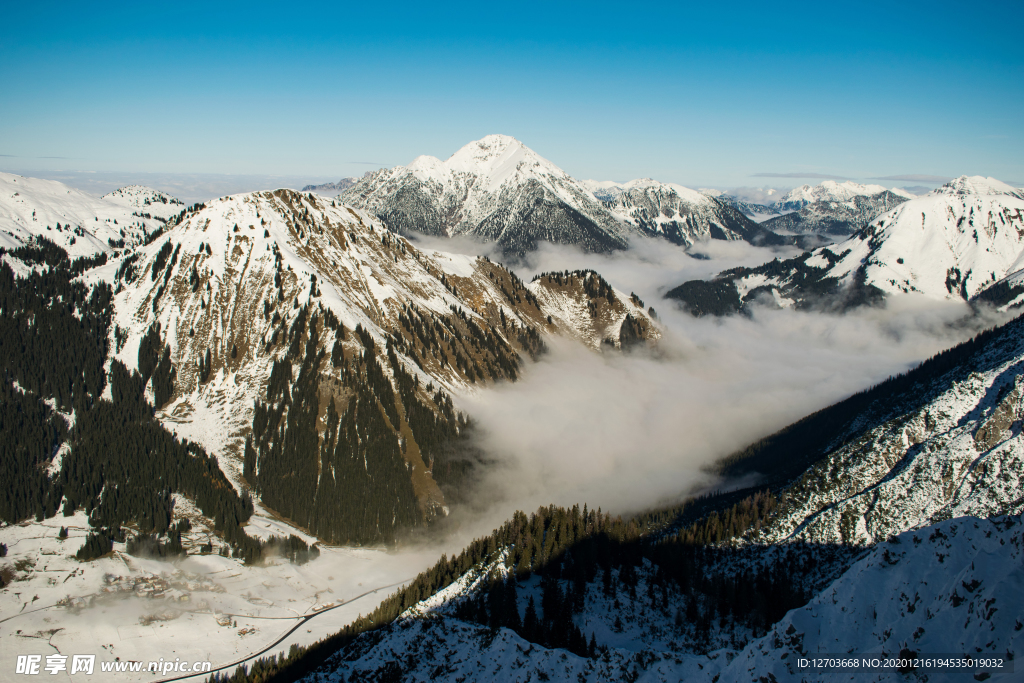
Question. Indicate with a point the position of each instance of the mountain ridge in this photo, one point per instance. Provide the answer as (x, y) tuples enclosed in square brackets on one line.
[(80, 223), (952, 243), (498, 190)]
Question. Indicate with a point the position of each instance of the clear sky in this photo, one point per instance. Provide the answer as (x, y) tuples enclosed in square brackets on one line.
[(704, 94)]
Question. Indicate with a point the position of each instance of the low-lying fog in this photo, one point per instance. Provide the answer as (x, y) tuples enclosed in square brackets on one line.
[(630, 431)]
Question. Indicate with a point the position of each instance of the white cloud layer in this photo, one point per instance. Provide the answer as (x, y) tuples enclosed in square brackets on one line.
[(628, 432)]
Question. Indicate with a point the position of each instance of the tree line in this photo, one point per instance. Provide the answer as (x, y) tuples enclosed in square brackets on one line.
[(119, 464)]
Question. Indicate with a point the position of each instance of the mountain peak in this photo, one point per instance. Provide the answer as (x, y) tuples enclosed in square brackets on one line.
[(976, 184), (489, 145), (494, 156), (425, 167)]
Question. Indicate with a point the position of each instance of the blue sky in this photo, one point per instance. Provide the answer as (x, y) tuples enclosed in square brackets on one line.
[(707, 94)]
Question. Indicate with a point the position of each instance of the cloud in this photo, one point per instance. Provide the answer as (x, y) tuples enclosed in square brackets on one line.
[(915, 178), (630, 431), (758, 195), (917, 189), (188, 187), (6, 155), (820, 176)]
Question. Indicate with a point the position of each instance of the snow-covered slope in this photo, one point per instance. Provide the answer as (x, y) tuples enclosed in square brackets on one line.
[(952, 243), (496, 189), (831, 191), (948, 446), (146, 200), (895, 598), (80, 223), (955, 588)]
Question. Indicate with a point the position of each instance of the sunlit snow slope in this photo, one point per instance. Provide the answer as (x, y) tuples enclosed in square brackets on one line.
[(80, 223)]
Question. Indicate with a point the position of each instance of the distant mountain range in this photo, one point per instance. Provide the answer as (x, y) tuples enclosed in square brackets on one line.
[(499, 190), (831, 191), (339, 186), (953, 243), (683, 216), (78, 222), (834, 217), (829, 210)]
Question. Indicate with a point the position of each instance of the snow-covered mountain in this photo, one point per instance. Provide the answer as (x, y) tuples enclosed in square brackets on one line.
[(363, 274), (231, 287), (80, 223), (835, 217), (952, 243), (496, 189), (232, 281), (684, 216), (339, 186), (831, 191), (499, 190), (146, 200)]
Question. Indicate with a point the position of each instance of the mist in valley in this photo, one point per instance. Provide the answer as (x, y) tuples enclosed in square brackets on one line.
[(630, 431)]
